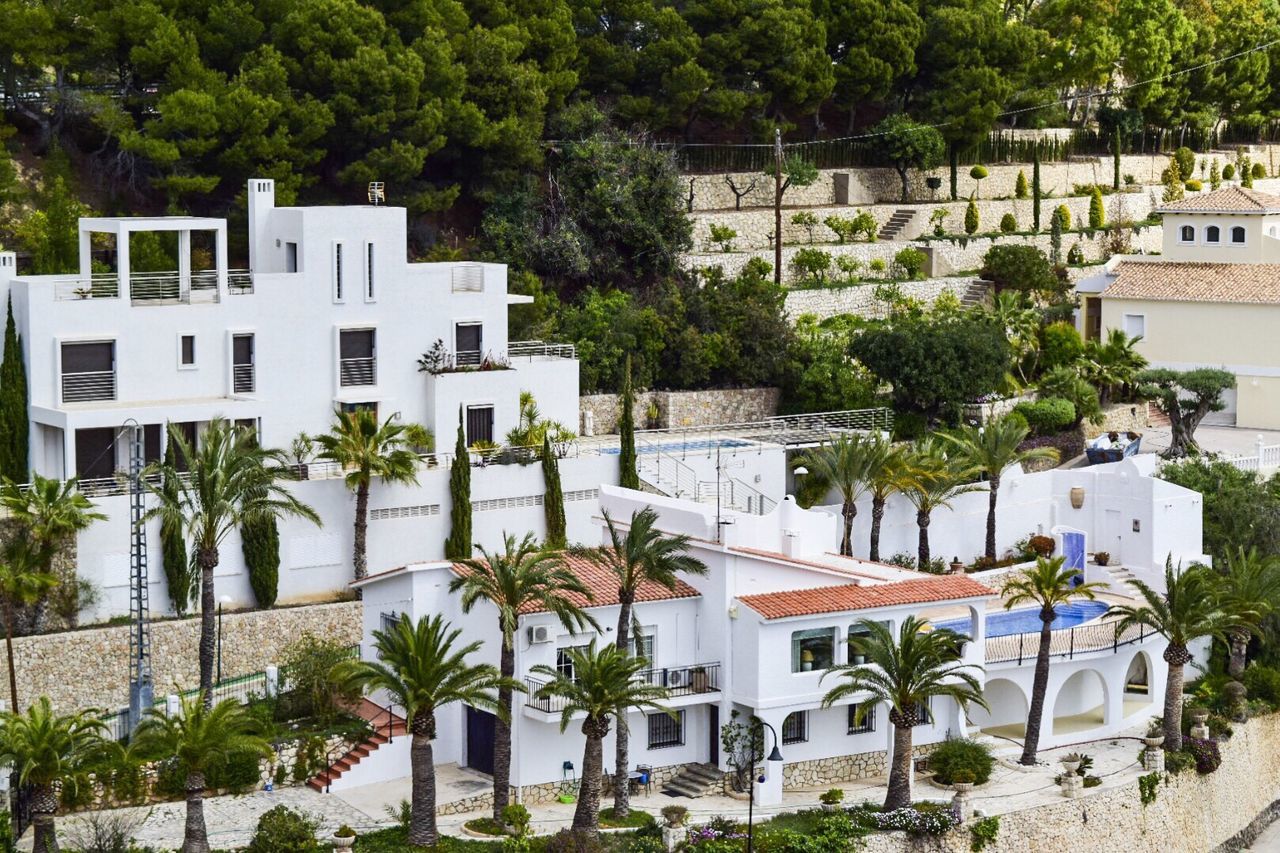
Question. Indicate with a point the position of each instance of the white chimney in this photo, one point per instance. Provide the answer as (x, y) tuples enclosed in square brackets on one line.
[(791, 543), (262, 200)]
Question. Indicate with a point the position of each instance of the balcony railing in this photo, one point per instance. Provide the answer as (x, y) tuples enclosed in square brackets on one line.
[(242, 379), (1065, 642), (679, 681), (540, 349), (357, 371), (88, 386), (239, 282), (100, 286), (153, 287), (467, 357)]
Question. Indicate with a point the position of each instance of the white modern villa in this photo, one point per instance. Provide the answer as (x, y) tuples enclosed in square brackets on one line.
[(755, 635)]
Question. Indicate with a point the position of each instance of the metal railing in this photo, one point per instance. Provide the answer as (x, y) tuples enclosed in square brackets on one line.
[(98, 286), (665, 472), (787, 430), (357, 371), (540, 349), (88, 386), (1065, 642), (242, 379), (467, 357), (691, 680), (737, 495), (239, 282)]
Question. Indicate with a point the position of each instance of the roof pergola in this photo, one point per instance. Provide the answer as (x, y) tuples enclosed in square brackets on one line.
[(123, 226)]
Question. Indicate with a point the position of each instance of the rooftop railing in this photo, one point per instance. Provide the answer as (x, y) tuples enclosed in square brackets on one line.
[(149, 288), (540, 349), (1066, 642), (97, 286)]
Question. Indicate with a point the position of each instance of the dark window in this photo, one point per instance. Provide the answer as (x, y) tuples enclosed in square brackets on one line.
[(250, 424), (242, 378), (642, 646), (468, 339), (151, 442), (359, 407), (666, 731), (188, 350), (96, 357), (357, 365), (795, 728), (95, 453), (479, 424), (1237, 234), (356, 343), (813, 650), (564, 663), (1188, 233), (861, 725), (924, 714), (187, 429), (290, 257), (1212, 234), (368, 273), (337, 272)]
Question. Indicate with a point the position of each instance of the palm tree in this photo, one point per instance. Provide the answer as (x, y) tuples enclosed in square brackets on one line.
[(933, 481), (1249, 584), (366, 449), (522, 578), (1187, 610), (644, 554), (601, 683), (22, 584), (230, 481), (991, 449), (846, 465), (1048, 585), (50, 753), (905, 673), (200, 739), (1113, 362), (888, 473), (423, 671)]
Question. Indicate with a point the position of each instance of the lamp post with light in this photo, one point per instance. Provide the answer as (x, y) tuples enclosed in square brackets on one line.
[(775, 755)]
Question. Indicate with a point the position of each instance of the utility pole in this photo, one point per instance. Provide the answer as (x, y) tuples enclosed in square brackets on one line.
[(140, 683), (777, 206)]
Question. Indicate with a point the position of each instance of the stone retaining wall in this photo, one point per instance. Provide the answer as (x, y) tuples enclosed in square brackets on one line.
[(90, 668), (755, 226), (861, 299), (676, 409), (820, 772), (1121, 417), (1191, 814)]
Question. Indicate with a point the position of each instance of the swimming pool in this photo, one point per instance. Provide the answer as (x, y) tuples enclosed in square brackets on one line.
[(695, 445), (1027, 620)]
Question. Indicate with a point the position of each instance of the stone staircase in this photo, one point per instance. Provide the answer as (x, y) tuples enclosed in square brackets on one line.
[(694, 780), (975, 293), (1121, 579), (386, 725), (893, 227)]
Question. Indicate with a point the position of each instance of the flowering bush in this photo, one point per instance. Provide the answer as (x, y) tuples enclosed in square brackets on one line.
[(710, 838), (1206, 754), (918, 820)]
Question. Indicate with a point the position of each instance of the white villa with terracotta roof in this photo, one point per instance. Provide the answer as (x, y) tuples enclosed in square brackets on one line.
[(756, 635), (1210, 299)]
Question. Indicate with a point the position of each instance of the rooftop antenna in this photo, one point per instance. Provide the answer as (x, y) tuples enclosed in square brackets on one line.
[(377, 193), (141, 688)]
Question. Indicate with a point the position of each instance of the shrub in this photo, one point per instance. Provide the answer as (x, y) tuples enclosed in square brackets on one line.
[(908, 426), (675, 815), (1049, 416), (831, 797), (978, 173), (937, 219), (1176, 762), (984, 832), (568, 841), (283, 830), (1186, 160), (344, 831), (1097, 213), (308, 673), (517, 817), (1228, 171), (1075, 255), (1205, 753), (807, 220), (1258, 171), (1020, 186), (877, 265), (910, 261), (971, 218), (1263, 682), (840, 226), (1193, 186), (260, 544), (1019, 267), (1017, 419), (1008, 223), (1062, 213), (811, 265), (1149, 785), (849, 265), (919, 819), (1060, 344), (961, 755), (1043, 547), (723, 236), (863, 222)]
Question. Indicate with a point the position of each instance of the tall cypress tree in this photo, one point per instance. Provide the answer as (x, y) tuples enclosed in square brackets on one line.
[(553, 499), (458, 545), (260, 544), (1115, 160), (13, 414), (628, 477), (1035, 190), (179, 574)]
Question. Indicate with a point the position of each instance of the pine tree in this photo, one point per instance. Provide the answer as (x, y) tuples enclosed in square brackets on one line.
[(458, 545), (971, 217), (628, 477), (1035, 190), (13, 392), (1020, 185), (1097, 214), (260, 544), (553, 498)]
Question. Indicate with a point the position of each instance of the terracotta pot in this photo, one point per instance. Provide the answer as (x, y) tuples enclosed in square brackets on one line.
[(1077, 497)]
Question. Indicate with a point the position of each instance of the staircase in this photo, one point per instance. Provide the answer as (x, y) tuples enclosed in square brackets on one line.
[(975, 293), (386, 727), (664, 474), (694, 780), (893, 227), (1121, 579)]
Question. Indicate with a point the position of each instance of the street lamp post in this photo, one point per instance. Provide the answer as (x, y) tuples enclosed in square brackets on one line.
[(226, 599), (751, 791)]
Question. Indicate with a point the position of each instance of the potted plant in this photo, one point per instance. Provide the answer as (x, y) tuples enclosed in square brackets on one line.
[(674, 815), (344, 837), (962, 780), (1071, 762), (1198, 715), (1101, 558), (698, 679), (831, 799)]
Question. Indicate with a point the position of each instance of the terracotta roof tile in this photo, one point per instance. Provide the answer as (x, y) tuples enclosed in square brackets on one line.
[(1173, 281), (839, 599), (1226, 200), (603, 585)]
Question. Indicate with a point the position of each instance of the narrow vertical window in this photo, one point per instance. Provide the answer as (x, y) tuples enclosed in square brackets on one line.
[(368, 273), (337, 272)]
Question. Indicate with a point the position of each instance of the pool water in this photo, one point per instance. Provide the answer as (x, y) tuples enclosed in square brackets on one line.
[(682, 446), (1027, 620)]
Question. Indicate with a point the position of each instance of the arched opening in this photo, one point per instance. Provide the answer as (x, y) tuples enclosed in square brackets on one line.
[(1237, 234), (1137, 684), (1080, 704), (1187, 234), (1212, 234), (1009, 706)]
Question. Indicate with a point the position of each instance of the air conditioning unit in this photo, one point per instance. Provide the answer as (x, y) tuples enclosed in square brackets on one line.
[(540, 634), (677, 678)]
